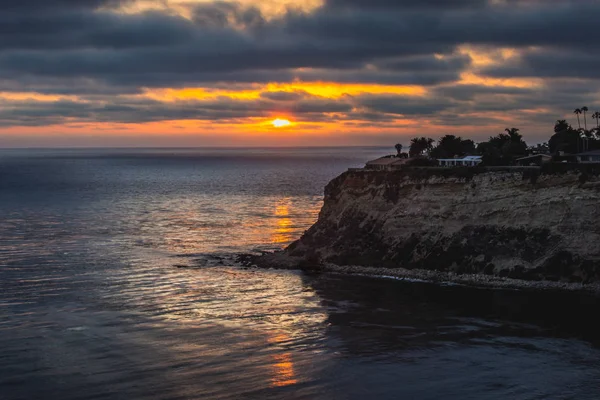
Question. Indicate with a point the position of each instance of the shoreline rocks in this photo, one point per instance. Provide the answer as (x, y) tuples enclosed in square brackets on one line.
[(279, 260)]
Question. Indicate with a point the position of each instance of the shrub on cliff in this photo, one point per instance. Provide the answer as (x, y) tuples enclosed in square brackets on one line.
[(421, 162)]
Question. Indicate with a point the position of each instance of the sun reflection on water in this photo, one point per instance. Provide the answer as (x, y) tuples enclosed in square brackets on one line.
[(195, 226), (283, 366), (285, 375), (283, 231)]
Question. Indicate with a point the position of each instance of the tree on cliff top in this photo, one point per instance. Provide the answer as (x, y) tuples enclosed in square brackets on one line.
[(571, 140), (420, 146), (578, 112), (596, 116), (450, 146), (565, 138), (561, 125), (503, 148), (584, 109)]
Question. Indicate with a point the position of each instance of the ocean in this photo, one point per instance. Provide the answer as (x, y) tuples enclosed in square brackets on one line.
[(118, 280)]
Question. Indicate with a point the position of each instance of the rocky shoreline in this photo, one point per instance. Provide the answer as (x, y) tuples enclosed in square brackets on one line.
[(490, 228), (279, 260)]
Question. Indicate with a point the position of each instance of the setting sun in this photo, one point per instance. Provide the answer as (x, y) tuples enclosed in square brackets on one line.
[(280, 123)]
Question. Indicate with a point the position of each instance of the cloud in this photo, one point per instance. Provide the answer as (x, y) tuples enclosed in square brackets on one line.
[(31, 112), (407, 106), (33, 6), (93, 50), (321, 106), (470, 92), (547, 63), (284, 96), (406, 4)]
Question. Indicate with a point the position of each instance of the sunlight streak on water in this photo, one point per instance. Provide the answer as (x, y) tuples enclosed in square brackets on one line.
[(269, 223)]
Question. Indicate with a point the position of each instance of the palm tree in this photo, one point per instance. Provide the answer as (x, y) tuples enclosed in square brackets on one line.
[(584, 109), (514, 134), (398, 148), (577, 112), (596, 115)]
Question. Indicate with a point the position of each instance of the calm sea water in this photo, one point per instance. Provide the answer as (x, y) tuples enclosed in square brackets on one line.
[(118, 281)]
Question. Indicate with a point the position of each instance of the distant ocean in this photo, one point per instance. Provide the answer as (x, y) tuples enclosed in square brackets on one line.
[(118, 281)]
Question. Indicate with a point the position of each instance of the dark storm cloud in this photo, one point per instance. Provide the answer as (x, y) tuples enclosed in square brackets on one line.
[(84, 29), (546, 63), (403, 105), (83, 48), (154, 49), (58, 86), (379, 76), (323, 38), (426, 63), (33, 6), (157, 46), (470, 92), (499, 26)]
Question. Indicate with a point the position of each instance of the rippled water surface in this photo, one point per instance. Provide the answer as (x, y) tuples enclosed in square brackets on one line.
[(118, 281)]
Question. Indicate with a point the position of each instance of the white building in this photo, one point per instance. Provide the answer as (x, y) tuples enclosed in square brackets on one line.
[(589, 157), (467, 161)]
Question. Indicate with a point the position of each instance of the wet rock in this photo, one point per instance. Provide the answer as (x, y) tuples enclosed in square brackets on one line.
[(489, 269)]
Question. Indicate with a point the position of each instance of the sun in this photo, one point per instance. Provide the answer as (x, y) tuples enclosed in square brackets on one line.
[(280, 123)]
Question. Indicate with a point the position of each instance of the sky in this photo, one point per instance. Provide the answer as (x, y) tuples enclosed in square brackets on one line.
[(328, 72)]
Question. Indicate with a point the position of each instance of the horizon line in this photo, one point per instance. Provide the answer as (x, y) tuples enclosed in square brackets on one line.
[(185, 147)]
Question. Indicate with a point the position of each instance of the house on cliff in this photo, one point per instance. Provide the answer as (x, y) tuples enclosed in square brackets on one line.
[(467, 161), (387, 163), (589, 157), (535, 159)]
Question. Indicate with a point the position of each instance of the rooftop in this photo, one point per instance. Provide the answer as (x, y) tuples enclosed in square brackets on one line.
[(465, 158), (384, 161), (533, 156), (472, 157), (589, 153)]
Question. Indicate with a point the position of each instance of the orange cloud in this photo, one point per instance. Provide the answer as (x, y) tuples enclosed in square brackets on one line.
[(331, 90)]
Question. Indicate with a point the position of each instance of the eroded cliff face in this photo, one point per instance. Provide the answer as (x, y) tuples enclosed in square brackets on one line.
[(503, 224)]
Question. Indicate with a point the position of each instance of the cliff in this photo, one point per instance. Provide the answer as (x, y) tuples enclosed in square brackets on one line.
[(516, 224)]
